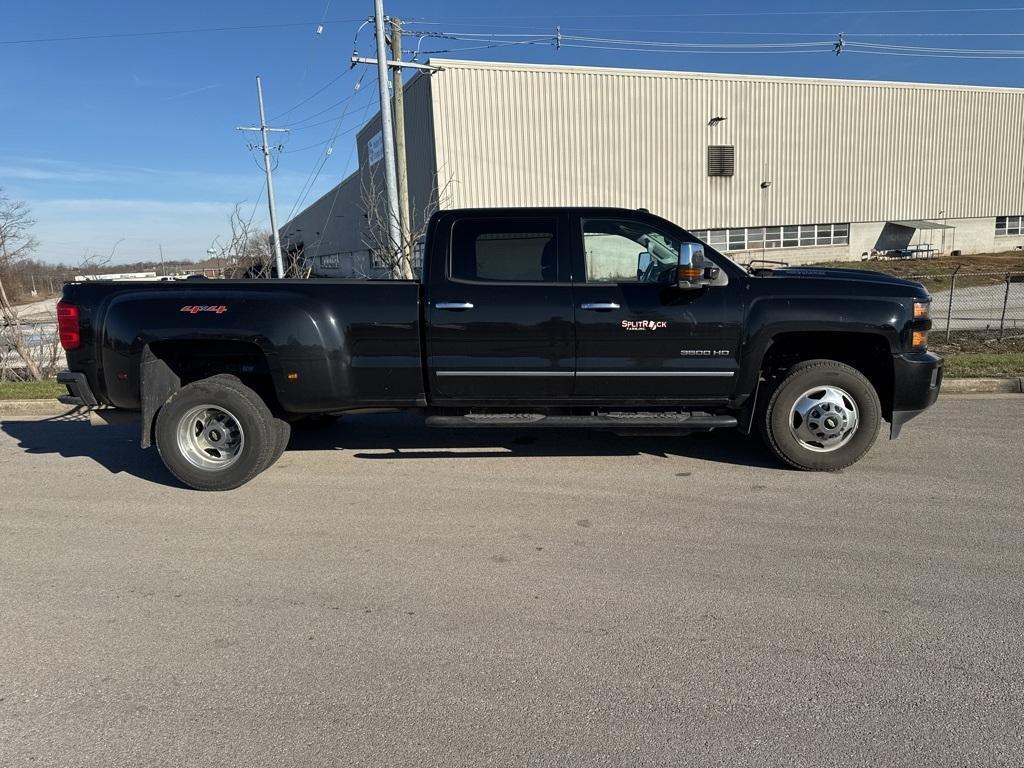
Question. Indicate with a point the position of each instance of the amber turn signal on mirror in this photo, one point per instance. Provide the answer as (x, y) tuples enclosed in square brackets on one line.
[(689, 274)]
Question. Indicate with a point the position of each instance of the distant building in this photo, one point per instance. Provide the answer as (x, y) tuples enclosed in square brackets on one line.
[(794, 169), (117, 276)]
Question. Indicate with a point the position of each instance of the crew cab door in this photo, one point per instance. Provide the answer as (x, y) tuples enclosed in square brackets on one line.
[(500, 308), (638, 335)]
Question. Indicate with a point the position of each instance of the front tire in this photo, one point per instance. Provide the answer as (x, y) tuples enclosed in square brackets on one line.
[(822, 416), (215, 436)]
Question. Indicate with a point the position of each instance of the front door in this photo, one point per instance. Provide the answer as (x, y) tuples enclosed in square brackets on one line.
[(500, 318), (639, 336)]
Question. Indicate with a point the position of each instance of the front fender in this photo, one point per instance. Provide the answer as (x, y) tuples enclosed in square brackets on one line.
[(771, 316)]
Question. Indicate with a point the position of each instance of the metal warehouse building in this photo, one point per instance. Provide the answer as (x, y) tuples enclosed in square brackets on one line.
[(793, 169)]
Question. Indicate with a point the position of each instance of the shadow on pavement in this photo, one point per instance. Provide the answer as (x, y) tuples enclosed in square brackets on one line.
[(115, 448), (388, 437), (404, 436)]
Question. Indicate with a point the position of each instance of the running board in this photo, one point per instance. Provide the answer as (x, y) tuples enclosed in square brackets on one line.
[(686, 421)]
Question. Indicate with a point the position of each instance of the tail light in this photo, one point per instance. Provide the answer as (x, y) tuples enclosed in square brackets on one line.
[(68, 328)]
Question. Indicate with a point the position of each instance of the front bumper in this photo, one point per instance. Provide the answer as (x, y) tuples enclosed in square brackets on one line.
[(79, 392), (917, 379)]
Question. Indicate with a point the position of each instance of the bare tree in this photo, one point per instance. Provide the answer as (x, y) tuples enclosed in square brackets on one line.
[(248, 253), (16, 244), (400, 261)]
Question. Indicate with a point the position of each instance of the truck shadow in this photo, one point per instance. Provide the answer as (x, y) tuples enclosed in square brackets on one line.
[(115, 448), (405, 437), (387, 437)]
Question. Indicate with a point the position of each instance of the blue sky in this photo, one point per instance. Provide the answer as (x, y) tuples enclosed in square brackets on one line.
[(134, 138)]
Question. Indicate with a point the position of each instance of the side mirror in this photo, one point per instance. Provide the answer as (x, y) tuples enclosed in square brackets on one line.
[(691, 272), (643, 263)]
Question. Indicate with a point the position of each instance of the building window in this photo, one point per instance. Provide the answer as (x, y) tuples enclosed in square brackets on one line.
[(1010, 225), (721, 160), (330, 261), (377, 260), (792, 236)]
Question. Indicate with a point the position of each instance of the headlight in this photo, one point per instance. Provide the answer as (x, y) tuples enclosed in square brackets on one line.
[(921, 309)]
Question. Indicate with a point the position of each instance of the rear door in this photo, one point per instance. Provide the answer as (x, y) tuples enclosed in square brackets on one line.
[(638, 336), (500, 313)]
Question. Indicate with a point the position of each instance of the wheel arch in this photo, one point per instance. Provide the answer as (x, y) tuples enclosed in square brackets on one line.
[(168, 365), (869, 353)]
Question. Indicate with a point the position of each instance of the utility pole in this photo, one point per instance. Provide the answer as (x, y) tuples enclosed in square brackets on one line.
[(397, 86), (387, 131), (275, 238), (160, 273)]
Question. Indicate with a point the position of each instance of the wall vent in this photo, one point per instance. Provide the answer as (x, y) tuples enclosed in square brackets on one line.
[(721, 160)]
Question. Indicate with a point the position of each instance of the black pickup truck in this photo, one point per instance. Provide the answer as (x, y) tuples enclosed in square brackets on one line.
[(533, 317)]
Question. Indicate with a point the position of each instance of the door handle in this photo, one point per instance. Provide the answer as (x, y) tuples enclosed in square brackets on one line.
[(601, 306), (454, 306)]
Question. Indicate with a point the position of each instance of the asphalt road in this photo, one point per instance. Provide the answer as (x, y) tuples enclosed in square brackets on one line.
[(388, 595)]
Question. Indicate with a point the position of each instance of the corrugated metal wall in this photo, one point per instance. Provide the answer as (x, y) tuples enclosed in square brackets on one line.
[(835, 151)]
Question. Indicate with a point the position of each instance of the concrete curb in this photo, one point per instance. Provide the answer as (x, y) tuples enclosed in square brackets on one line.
[(980, 386)]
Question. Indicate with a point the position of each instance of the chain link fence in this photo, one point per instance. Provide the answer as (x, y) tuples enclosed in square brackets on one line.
[(982, 305)]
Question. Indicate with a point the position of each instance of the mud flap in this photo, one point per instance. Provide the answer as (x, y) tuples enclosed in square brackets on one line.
[(157, 382), (899, 418)]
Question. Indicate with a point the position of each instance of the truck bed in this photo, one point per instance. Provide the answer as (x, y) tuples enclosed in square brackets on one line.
[(325, 344)]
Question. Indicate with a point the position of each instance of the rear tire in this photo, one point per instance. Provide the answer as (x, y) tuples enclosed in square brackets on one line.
[(282, 429), (215, 435), (822, 416)]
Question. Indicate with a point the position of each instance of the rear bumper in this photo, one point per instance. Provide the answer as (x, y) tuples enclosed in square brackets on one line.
[(79, 392), (917, 379)]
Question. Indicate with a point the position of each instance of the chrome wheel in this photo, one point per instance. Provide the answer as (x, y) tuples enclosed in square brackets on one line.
[(210, 437), (824, 419)]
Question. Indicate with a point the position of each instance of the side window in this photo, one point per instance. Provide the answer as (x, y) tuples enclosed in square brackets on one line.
[(622, 251), (505, 250)]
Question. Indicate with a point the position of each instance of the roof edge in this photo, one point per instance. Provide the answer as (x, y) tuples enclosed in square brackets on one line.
[(687, 75)]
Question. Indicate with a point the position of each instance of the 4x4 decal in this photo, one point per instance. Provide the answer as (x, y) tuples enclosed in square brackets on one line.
[(195, 309)]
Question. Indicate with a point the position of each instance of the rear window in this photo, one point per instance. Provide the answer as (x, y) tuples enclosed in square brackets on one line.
[(505, 250)]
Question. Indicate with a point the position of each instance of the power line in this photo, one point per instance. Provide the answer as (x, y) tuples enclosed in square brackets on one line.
[(702, 52), (298, 124), (355, 127), (668, 46), (161, 32), (734, 14), (311, 96), (889, 46), (313, 176), (699, 46), (316, 36), (526, 32)]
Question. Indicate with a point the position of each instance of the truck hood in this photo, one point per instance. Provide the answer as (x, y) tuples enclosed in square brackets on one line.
[(847, 275)]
